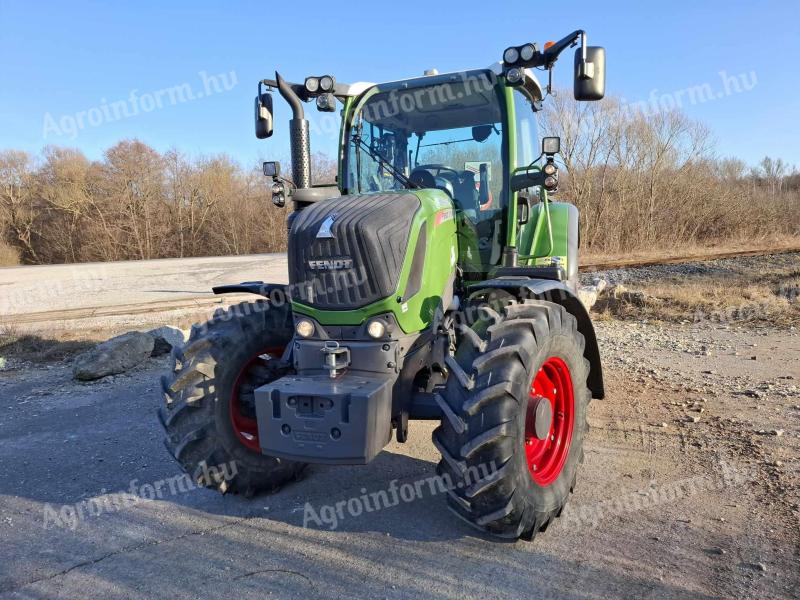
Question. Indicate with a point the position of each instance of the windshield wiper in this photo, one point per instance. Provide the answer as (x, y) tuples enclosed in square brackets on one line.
[(382, 162)]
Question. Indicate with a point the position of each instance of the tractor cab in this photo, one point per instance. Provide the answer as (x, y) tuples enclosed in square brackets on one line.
[(440, 132)]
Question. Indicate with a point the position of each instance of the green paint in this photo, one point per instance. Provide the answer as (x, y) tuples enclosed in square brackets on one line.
[(546, 234), (511, 137), (436, 214)]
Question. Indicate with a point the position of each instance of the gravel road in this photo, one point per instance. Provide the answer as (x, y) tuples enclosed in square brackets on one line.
[(113, 297), (124, 295), (690, 488)]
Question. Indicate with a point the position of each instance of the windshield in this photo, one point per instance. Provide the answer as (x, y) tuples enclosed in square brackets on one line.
[(445, 134)]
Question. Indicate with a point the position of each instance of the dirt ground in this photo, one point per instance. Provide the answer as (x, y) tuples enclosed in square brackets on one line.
[(690, 488)]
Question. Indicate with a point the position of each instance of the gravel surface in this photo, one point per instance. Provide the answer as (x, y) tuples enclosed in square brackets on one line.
[(687, 490), (694, 270), (690, 488)]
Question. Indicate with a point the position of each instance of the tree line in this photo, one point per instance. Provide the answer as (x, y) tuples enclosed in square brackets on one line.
[(642, 182), (653, 181)]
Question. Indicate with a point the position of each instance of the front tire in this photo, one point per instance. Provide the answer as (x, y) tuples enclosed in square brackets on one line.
[(511, 470), (209, 412)]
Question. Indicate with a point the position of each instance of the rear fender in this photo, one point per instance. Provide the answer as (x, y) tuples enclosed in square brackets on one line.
[(559, 293)]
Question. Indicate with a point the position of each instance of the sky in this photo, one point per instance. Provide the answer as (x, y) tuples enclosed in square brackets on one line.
[(88, 74)]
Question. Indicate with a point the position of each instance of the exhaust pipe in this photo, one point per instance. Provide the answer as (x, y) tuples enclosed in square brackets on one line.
[(298, 136)]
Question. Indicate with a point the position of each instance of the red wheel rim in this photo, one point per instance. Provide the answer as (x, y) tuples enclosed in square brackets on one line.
[(244, 425), (546, 457)]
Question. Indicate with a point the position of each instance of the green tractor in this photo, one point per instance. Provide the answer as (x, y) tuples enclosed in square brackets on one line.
[(435, 279)]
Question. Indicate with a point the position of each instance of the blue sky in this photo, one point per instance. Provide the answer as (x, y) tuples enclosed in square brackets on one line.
[(63, 59)]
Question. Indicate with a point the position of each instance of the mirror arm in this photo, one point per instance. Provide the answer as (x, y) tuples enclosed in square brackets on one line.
[(550, 56)]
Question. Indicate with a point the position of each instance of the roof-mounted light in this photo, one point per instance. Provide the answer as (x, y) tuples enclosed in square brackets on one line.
[(326, 83), (510, 56), (527, 52)]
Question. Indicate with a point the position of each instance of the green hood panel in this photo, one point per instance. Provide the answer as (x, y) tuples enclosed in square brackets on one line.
[(426, 274)]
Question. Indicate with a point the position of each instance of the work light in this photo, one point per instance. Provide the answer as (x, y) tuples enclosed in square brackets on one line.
[(551, 145), (515, 75), (510, 56), (527, 51), (326, 83), (312, 84), (326, 102)]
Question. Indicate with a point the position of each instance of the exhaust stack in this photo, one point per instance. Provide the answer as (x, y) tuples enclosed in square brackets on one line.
[(299, 137)]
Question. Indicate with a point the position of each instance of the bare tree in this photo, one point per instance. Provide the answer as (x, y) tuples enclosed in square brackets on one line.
[(17, 200)]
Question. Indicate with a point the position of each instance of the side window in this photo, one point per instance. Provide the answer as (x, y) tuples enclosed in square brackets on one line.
[(527, 131)]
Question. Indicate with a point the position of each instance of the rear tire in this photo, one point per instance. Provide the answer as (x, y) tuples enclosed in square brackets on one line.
[(209, 415), (488, 442)]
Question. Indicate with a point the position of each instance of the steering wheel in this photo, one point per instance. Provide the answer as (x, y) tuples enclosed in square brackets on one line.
[(437, 167)]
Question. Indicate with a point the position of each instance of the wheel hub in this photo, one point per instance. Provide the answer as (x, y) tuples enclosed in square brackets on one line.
[(549, 420), (256, 372), (542, 417)]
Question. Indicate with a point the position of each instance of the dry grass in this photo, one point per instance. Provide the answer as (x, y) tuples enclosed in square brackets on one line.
[(34, 348), (738, 297), (9, 257)]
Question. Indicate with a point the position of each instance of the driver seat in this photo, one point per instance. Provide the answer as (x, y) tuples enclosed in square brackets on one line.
[(465, 192)]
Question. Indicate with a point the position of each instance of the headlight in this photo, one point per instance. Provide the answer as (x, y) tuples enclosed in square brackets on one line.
[(550, 182), (527, 52), (277, 188), (326, 83), (510, 56), (376, 329), (550, 169), (304, 328), (312, 84)]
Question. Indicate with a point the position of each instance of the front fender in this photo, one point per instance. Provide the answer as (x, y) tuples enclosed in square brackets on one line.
[(557, 292)]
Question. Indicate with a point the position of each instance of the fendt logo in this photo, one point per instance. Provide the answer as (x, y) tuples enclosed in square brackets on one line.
[(331, 264), (325, 228)]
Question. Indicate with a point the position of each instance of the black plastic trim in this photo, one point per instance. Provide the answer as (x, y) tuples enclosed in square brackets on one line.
[(252, 287), (417, 265), (550, 273)]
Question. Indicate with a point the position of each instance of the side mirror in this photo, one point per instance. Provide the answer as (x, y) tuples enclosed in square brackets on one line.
[(272, 169), (590, 75), (263, 116), (483, 184)]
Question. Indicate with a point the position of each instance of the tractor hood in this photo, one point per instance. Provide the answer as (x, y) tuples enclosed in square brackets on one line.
[(348, 252)]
